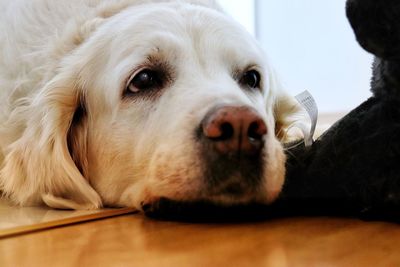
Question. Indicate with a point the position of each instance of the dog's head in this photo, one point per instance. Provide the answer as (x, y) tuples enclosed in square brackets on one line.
[(166, 100)]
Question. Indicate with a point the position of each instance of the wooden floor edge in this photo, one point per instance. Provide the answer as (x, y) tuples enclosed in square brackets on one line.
[(66, 221)]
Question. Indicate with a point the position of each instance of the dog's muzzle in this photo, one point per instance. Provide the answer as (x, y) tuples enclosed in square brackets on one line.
[(233, 139)]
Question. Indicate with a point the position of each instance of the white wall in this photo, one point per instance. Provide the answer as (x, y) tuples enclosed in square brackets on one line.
[(312, 46), (242, 10)]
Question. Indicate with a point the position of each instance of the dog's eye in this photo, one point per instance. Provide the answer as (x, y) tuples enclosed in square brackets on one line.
[(251, 79), (144, 80)]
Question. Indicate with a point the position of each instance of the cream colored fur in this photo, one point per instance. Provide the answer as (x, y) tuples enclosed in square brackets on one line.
[(61, 57)]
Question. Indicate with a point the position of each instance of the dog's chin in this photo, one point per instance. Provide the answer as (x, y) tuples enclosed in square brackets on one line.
[(205, 211), (230, 199)]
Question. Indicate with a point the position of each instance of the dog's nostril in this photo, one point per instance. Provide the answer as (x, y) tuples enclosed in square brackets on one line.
[(227, 131), (218, 130), (257, 130)]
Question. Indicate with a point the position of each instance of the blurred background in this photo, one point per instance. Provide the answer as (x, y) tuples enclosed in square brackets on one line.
[(311, 45)]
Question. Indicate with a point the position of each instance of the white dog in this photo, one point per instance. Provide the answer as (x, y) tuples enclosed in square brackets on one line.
[(122, 102)]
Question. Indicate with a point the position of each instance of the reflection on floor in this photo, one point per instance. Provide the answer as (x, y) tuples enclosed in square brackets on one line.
[(133, 240)]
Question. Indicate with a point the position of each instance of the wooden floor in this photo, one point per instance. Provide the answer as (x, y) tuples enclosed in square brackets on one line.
[(133, 240)]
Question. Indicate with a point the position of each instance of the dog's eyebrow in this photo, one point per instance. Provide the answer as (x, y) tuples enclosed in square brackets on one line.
[(237, 71), (159, 62), (156, 58)]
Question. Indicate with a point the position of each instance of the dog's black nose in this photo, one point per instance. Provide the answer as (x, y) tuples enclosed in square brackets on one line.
[(235, 130)]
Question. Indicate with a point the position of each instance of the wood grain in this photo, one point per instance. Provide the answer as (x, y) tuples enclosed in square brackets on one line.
[(133, 240)]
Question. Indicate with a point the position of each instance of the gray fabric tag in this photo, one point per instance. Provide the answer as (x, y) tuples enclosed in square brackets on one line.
[(308, 103)]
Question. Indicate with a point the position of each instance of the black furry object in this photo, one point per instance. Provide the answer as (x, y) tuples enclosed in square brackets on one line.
[(208, 212), (376, 24), (357, 161)]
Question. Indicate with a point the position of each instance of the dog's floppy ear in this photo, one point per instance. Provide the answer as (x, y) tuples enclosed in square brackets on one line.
[(287, 111), (47, 163)]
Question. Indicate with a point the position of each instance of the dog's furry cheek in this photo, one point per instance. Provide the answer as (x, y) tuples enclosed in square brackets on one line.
[(181, 178), (176, 177)]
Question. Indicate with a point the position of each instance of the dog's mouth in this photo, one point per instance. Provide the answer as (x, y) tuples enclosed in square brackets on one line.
[(205, 211)]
